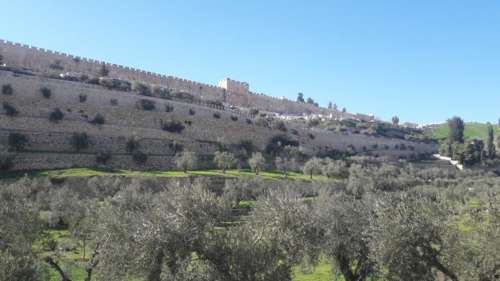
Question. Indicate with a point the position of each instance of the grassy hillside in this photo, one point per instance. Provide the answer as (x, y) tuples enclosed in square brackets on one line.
[(471, 130)]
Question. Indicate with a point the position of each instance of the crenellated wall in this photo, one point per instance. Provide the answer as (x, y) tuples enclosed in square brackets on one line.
[(233, 92)]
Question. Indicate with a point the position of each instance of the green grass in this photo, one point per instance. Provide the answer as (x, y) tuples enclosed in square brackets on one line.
[(322, 272), (471, 130), (85, 172)]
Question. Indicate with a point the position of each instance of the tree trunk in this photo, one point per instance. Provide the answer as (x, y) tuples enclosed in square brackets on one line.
[(57, 268), (92, 263), (445, 271), (155, 272)]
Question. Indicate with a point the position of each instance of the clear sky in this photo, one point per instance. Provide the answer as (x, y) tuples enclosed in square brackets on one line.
[(424, 60)]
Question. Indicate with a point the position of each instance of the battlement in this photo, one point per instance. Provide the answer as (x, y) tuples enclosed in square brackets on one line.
[(234, 92)]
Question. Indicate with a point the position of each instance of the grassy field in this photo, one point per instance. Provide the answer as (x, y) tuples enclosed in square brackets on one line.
[(86, 172), (471, 130)]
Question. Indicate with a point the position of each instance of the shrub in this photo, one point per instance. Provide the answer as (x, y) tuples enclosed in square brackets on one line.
[(139, 157), (280, 125), (17, 141), (98, 119), (192, 112), (82, 98), (103, 157), (6, 161), (294, 132), (254, 111), (278, 143), (141, 89), (311, 136), (113, 102), (145, 104), (249, 121), (9, 109), (132, 145), (79, 141), (216, 115), (56, 65), (172, 126), (7, 89), (115, 84), (169, 108), (161, 92), (46, 92), (188, 122), (56, 115), (234, 118)]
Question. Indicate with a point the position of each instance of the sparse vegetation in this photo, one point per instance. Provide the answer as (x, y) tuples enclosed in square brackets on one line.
[(17, 141), (169, 108), (132, 144), (113, 102), (79, 141), (234, 118), (216, 115), (224, 160), (147, 105), (141, 89), (7, 90), (139, 157), (9, 109), (192, 112), (56, 115), (172, 126), (98, 119), (103, 157), (82, 98), (46, 92)]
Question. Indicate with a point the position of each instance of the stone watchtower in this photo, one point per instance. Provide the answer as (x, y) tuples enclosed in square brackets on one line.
[(234, 87)]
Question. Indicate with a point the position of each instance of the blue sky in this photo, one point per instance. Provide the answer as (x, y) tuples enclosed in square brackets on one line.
[(423, 60)]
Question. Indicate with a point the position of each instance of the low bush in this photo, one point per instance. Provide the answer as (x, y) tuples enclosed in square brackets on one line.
[(172, 126), (161, 92), (56, 115), (56, 65), (17, 141), (280, 125), (82, 98), (132, 145), (147, 105), (46, 92), (115, 84), (102, 157), (192, 112), (6, 161), (139, 157), (294, 132), (311, 136), (169, 108), (9, 109), (216, 115), (141, 89), (188, 122), (98, 119), (7, 89), (234, 118), (249, 121), (79, 141), (113, 102)]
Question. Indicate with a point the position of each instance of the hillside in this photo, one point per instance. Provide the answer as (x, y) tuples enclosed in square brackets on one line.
[(472, 129)]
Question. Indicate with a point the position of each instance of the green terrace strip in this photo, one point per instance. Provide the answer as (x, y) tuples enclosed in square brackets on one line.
[(471, 130), (87, 172)]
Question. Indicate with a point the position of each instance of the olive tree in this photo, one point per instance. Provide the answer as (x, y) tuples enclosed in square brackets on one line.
[(257, 162), (186, 160), (313, 167), (412, 237), (155, 235), (224, 160)]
